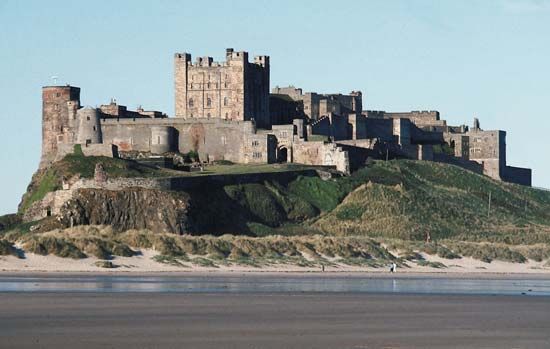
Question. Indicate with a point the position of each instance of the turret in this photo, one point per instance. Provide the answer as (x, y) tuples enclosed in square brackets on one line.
[(89, 126), (162, 139)]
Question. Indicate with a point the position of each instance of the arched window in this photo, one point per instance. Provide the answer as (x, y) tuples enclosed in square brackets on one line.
[(225, 101), (208, 102), (190, 102), (208, 115), (208, 85)]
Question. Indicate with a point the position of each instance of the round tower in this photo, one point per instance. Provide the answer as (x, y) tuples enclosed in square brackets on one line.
[(161, 139), (89, 126), (58, 104)]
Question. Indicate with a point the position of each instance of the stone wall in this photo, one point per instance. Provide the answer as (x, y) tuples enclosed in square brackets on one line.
[(380, 129), (460, 143), (104, 149), (214, 139), (487, 145), (423, 119), (517, 175), (320, 153), (316, 105), (335, 126)]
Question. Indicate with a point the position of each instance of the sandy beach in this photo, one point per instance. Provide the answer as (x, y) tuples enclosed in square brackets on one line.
[(144, 263), (298, 320)]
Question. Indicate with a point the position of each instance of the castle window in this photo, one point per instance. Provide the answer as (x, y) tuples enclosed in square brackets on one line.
[(208, 115), (58, 94), (94, 128), (224, 140), (226, 115), (56, 107), (225, 84), (88, 118), (191, 86), (208, 85), (191, 103), (225, 101), (158, 139), (255, 143), (208, 102)]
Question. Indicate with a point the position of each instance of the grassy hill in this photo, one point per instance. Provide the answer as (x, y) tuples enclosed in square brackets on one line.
[(400, 199), (407, 199), (390, 204)]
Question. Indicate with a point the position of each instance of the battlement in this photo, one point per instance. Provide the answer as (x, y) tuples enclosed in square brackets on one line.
[(231, 56), (65, 92)]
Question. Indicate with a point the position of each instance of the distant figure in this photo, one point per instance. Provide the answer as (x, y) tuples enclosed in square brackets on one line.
[(322, 267), (394, 267), (428, 237), (391, 268)]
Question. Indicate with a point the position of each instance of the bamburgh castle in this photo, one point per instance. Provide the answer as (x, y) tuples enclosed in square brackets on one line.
[(226, 111)]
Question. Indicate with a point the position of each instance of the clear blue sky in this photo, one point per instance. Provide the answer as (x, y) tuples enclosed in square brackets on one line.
[(488, 59)]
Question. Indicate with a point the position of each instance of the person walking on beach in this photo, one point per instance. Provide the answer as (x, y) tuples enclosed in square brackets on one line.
[(394, 267)]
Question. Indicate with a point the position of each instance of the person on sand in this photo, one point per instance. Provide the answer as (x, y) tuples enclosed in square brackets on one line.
[(394, 267), (391, 268)]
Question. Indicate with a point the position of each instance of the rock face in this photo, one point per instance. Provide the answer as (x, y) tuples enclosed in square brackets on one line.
[(131, 208)]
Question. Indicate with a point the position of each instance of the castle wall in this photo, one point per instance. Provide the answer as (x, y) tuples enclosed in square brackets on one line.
[(321, 154), (358, 126), (517, 175), (487, 145), (315, 105), (213, 139), (104, 149), (460, 143), (425, 152), (334, 126), (283, 109), (380, 129), (429, 120)]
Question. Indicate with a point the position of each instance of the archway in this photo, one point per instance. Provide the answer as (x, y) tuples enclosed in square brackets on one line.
[(282, 155)]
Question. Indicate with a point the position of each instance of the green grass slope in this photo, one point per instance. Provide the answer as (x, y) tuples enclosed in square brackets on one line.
[(408, 199)]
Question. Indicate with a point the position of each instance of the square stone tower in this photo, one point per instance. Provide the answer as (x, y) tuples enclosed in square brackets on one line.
[(235, 89)]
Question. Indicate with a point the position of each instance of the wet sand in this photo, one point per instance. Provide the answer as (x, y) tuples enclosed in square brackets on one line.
[(282, 320)]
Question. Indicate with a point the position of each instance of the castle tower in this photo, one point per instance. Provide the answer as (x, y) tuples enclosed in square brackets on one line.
[(162, 139), (59, 105), (89, 126), (234, 90)]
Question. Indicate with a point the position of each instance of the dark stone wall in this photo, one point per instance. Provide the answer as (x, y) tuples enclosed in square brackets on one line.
[(516, 175)]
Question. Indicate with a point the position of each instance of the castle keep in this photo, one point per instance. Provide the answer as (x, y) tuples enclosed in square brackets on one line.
[(225, 111), (231, 90)]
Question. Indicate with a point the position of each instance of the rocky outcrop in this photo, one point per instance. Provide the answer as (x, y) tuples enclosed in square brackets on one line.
[(130, 208)]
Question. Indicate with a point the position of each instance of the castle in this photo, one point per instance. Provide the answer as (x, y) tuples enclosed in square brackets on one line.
[(225, 111)]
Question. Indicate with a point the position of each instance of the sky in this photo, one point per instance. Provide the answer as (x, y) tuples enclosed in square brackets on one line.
[(466, 59)]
